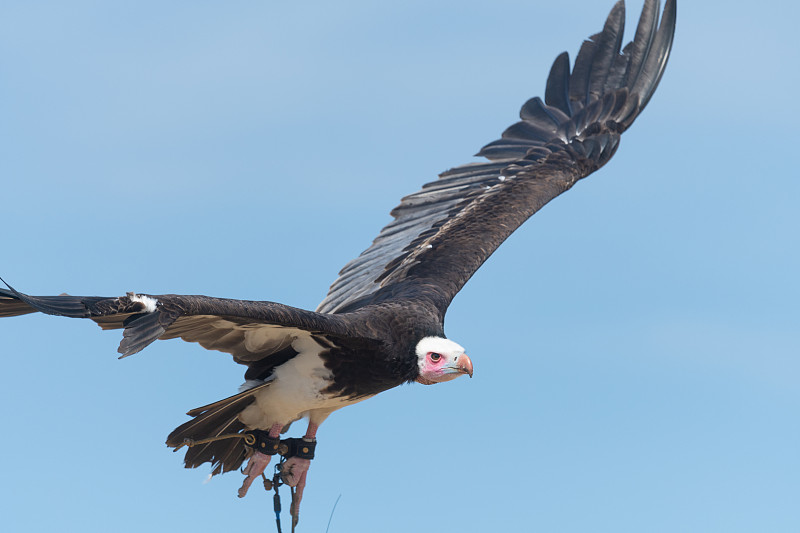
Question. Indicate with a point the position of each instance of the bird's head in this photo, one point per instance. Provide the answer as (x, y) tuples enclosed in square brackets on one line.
[(441, 359)]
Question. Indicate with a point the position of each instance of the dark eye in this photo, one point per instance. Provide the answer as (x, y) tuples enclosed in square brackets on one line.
[(435, 356)]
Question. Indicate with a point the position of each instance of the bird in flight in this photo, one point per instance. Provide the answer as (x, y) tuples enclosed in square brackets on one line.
[(382, 321)]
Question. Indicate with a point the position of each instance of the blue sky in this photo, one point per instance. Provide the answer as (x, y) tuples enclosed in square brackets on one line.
[(635, 343)]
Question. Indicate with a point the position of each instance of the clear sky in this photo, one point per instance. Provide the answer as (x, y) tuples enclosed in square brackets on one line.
[(635, 343)]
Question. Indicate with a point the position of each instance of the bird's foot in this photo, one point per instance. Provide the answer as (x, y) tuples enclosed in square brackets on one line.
[(293, 470), (255, 467), (293, 473)]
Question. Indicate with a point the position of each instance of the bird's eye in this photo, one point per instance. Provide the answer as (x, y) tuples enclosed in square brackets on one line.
[(435, 356)]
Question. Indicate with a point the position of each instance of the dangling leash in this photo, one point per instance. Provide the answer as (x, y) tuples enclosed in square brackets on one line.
[(276, 498), (287, 448), (259, 440)]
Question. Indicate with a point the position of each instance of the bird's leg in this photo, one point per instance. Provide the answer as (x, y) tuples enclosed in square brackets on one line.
[(258, 463), (294, 474)]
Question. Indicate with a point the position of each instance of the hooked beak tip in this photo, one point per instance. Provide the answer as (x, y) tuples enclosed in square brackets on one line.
[(465, 365)]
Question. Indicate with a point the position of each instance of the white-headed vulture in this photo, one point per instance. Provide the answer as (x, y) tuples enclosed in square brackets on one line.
[(381, 324)]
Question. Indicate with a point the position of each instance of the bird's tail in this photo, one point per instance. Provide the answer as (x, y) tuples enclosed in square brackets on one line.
[(205, 433)]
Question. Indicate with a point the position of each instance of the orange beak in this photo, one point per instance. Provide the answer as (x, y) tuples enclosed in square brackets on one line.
[(464, 365)]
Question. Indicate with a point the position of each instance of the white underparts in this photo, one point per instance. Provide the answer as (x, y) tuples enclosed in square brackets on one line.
[(149, 303), (296, 387)]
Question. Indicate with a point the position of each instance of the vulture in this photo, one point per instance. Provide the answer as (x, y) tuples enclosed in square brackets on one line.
[(381, 323)]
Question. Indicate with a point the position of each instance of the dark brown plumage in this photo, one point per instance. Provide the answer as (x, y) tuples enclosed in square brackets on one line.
[(365, 336)]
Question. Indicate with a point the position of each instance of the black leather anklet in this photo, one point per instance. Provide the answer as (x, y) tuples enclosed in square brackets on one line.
[(264, 443), (302, 448)]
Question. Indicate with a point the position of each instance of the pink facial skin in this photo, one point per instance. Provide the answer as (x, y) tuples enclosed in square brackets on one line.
[(440, 367)]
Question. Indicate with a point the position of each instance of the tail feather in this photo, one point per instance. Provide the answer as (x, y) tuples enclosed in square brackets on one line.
[(224, 455), (215, 420)]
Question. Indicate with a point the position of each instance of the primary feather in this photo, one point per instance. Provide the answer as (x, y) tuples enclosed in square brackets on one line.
[(382, 322), (559, 141)]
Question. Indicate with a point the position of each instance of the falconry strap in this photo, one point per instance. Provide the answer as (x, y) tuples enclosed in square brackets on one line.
[(263, 442), (301, 448), (278, 479), (260, 441)]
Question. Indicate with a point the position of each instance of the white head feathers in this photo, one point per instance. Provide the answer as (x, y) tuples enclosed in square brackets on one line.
[(437, 345)]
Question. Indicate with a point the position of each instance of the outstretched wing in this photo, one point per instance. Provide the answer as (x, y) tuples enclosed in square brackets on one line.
[(442, 234), (260, 335)]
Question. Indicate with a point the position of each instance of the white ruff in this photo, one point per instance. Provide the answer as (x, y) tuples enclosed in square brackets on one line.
[(149, 303)]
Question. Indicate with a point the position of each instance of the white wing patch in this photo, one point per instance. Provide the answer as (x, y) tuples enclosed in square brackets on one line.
[(149, 303)]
